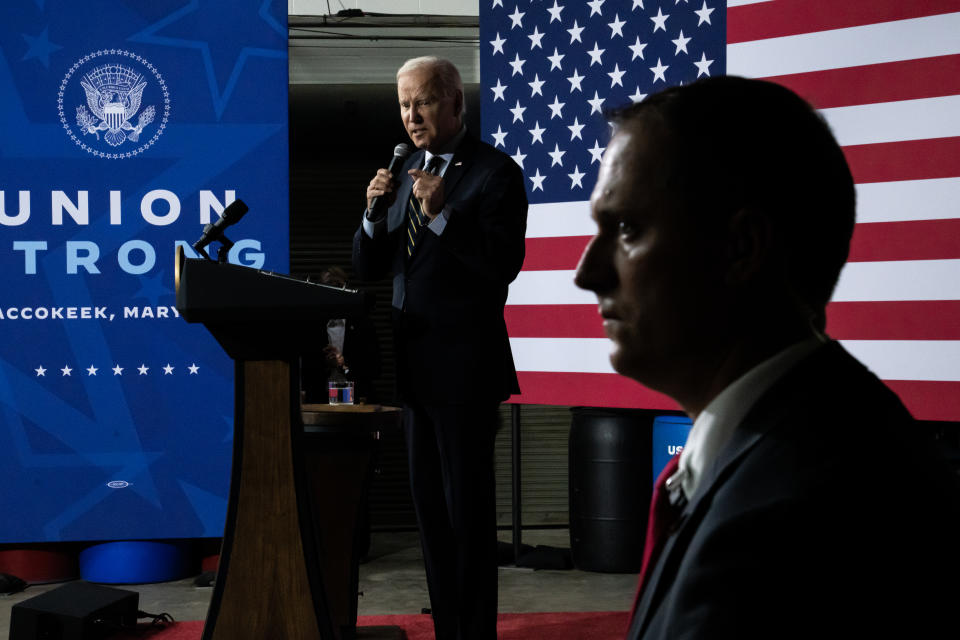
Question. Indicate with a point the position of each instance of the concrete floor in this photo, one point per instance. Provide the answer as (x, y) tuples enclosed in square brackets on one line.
[(392, 581)]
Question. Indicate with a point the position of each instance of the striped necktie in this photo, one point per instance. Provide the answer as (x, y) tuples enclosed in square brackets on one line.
[(415, 216)]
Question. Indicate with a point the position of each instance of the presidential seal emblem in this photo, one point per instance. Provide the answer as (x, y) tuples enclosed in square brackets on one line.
[(113, 104)]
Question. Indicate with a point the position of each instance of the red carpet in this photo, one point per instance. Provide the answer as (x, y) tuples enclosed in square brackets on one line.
[(605, 625)]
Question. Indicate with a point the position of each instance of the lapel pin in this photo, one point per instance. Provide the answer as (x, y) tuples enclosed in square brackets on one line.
[(457, 164)]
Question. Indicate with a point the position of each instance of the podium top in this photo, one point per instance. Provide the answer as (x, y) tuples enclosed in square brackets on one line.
[(258, 315)]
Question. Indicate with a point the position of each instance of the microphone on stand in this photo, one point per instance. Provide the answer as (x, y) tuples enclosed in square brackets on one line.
[(214, 231)]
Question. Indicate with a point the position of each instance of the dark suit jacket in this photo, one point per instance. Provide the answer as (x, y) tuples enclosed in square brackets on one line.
[(827, 514), (448, 298)]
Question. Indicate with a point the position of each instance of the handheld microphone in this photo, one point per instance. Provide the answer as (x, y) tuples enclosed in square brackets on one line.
[(213, 231), (378, 208)]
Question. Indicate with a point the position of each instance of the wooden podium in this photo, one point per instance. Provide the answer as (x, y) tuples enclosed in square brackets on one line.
[(269, 583)]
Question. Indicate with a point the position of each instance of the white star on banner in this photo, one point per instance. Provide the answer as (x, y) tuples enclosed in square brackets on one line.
[(596, 104), (616, 76), (659, 71), (575, 81), (575, 129), (703, 65), (168, 370), (637, 96), (557, 155), (194, 369), (595, 6), (497, 3), (66, 370), (556, 109), (595, 55), (499, 138), (535, 38), (517, 112), (537, 181), (596, 153), (555, 60), (536, 86), (41, 371), (637, 49), (659, 20), (575, 32), (517, 18), (637, 4), (576, 178), (497, 44), (537, 133), (118, 370), (616, 27), (143, 369), (92, 370), (704, 14), (517, 65), (681, 43), (555, 12), (518, 157), (498, 91)]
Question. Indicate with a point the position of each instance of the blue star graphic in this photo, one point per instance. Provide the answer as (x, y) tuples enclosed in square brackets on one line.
[(222, 56), (153, 288), (40, 47)]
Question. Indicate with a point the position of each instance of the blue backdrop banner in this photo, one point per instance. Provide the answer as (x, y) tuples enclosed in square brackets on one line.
[(125, 126)]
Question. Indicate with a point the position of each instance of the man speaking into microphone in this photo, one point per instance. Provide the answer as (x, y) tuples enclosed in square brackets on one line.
[(449, 225)]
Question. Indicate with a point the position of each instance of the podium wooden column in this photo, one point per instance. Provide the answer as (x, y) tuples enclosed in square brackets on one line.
[(269, 583)]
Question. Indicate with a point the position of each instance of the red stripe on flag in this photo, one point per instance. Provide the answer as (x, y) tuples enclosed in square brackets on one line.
[(548, 254), (792, 17), (910, 160), (900, 320), (553, 321), (928, 400), (867, 84), (913, 240), (588, 389)]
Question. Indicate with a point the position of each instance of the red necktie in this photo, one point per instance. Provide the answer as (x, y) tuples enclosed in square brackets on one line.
[(663, 515)]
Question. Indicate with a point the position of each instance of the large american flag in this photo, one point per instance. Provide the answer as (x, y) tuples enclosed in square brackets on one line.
[(884, 73)]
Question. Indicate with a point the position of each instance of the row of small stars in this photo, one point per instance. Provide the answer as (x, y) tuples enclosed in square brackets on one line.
[(659, 21), (117, 370)]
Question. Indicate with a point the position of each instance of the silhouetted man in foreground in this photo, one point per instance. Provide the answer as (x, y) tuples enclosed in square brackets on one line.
[(806, 502)]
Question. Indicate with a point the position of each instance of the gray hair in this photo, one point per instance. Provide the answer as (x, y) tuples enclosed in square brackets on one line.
[(447, 76)]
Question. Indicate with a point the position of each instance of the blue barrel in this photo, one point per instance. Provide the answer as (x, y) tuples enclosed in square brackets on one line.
[(136, 562)]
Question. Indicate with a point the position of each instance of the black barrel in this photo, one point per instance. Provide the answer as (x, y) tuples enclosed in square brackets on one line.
[(609, 467)]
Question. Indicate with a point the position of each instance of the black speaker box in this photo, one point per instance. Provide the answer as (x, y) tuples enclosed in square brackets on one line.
[(75, 611)]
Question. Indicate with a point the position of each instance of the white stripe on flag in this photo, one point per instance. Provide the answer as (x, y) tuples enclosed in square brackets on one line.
[(839, 48), (559, 219), (548, 287), (909, 359), (859, 281), (935, 199), (895, 121), (582, 355), (889, 359), (899, 280)]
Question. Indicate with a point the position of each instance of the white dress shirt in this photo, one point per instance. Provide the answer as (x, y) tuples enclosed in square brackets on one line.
[(716, 423)]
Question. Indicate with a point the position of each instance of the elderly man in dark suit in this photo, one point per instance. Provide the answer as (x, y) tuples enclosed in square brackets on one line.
[(453, 240), (806, 503)]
